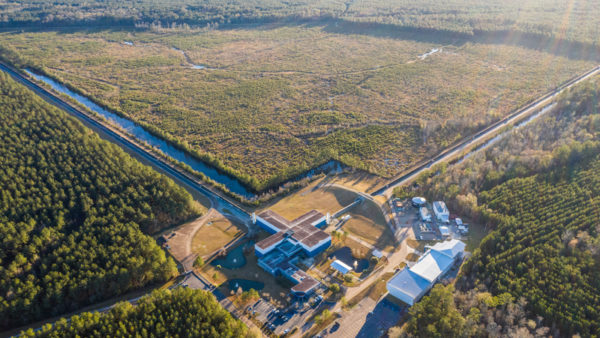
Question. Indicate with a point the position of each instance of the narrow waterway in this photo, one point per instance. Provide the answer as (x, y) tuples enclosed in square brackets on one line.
[(142, 134), (168, 148)]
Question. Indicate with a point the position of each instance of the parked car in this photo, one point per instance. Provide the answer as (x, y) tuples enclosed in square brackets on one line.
[(317, 301), (335, 327), (286, 317)]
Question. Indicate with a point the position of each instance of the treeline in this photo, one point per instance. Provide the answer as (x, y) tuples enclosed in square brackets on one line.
[(546, 247), (178, 313), (446, 312), (538, 190), (573, 21), (74, 213)]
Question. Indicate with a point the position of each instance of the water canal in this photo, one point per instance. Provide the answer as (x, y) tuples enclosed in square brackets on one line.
[(166, 147)]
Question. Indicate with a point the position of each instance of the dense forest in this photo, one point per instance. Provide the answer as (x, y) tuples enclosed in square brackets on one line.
[(75, 212), (178, 313), (547, 245), (572, 20), (539, 191), (446, 312)]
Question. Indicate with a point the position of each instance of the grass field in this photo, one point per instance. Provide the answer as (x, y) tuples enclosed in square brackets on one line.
[(476, 234), (361, 181), (274, 100), (326, 199), (367, 221), (213, 235)]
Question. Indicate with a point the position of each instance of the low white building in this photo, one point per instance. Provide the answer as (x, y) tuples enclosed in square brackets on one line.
[(377, 253), (444, 231), (410, 284), (418, 202), (425, 215), (441, 211), (341, 267)]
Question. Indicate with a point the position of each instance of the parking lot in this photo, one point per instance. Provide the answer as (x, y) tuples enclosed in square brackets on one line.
[(407, 215), (283, 320), (261, 310), (385, 315), (298, 317), (367, 319)]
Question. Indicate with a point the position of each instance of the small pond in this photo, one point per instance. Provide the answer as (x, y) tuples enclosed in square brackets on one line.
[(235, 259), (245, 284), (345, 255)]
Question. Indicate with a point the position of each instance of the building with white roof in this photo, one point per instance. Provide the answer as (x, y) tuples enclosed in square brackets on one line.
[(451, 248), (341, 267), (410, 284), (432, 265), (444, 231), (377, 253), (425, 215), (441, 211), (418, 202)]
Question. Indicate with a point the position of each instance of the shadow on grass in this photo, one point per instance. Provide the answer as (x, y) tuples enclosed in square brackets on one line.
[(535, 41), (559, 47)]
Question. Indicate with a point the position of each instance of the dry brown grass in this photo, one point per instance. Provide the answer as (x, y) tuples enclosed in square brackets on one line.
[(374, 291), (328, 199), (360, 181), (379, 288), (417, 245), (368, 223), (358, 250), (213, 235), (412, 257), (281, 97)]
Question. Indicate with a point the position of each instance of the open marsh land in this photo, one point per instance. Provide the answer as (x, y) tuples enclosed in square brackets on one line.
[(271, 101)]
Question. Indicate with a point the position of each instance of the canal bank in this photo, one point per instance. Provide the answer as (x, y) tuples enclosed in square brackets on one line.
[(222, 178), (135, 148)]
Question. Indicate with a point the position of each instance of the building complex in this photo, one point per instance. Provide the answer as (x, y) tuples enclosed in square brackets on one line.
[(288, 243)]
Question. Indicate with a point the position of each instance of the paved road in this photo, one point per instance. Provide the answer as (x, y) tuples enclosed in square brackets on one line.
[(483, 135), (367, 319)]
